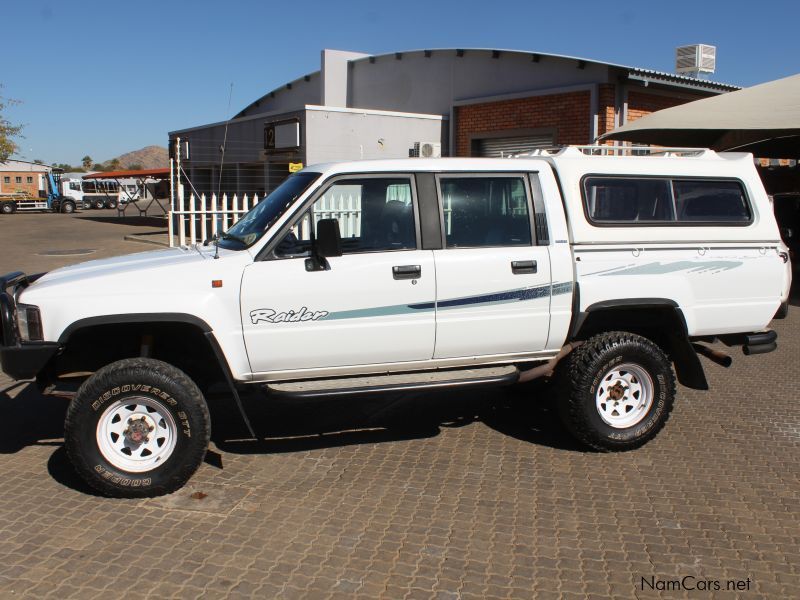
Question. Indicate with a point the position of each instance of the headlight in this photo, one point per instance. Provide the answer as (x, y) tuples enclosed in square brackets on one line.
[(29, 322)]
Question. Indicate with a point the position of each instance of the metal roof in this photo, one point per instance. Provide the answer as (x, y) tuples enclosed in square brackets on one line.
[(152, 173), (24, 166), (682, 80), (666, 76), (635, 73)]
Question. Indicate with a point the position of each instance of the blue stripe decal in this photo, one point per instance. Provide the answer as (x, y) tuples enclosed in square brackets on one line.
[(659, 268), (498, 297), (518, 295)]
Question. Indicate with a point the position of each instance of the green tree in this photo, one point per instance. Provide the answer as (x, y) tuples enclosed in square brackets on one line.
[(113, 165), (135, 167), (98, 167), (8, 131), (86, 161)]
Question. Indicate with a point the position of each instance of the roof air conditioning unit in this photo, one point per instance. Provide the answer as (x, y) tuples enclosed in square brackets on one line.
[(427, 149), (695, 59)]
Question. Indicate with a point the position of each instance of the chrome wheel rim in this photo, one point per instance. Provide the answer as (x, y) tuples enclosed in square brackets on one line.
[(136, 434), (624, 395)]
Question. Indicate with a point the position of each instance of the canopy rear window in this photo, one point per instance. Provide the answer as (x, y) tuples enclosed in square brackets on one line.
[(623, 200)]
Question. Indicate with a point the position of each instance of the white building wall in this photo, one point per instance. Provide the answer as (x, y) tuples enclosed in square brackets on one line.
[(349, 134)]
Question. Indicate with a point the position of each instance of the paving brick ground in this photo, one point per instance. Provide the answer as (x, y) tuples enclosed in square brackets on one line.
[(446, 495)]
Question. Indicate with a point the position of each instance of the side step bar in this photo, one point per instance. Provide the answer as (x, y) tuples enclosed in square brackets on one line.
[(491, 376)]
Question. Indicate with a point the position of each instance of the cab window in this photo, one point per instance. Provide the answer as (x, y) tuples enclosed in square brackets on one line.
[(374, 214), (485, 211)]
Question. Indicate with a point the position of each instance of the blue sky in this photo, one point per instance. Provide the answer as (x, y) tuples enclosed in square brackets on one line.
[(102, 78)]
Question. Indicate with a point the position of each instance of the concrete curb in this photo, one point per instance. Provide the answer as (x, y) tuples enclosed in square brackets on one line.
[(142, 238)]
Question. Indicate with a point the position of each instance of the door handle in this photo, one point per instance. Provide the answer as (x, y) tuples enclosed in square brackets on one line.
[(522, 267), (407, 272)]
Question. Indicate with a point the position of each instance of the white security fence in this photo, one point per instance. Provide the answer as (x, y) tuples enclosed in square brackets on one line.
[(344, 206), (199, 218)]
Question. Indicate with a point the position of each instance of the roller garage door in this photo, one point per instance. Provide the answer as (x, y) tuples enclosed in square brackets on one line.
[(506, 146)]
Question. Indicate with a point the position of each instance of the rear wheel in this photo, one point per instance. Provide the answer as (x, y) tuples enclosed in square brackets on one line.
[(617, 390), (7, 208), (138, 427), (111, 204), (99, 204)]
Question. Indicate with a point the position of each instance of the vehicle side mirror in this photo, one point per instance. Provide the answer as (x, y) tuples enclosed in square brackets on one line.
[(327, 242), (328, 239)]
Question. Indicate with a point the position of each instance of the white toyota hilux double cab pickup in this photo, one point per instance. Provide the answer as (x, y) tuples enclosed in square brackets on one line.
[(607, 273)]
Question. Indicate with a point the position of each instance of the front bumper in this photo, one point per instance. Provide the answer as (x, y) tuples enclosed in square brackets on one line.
[(18, 359), (26, 360)]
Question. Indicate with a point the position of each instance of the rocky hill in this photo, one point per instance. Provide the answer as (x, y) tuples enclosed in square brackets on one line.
[(149, 157)]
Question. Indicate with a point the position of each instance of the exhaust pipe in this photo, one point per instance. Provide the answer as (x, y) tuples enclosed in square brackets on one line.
[(719, 357), (547, 369)]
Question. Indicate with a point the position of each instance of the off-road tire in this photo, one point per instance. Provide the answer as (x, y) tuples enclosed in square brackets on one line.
[(143, 380), (581, 375)]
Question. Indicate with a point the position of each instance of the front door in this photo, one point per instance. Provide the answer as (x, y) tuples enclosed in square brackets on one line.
[(376, 302), (493, 281)]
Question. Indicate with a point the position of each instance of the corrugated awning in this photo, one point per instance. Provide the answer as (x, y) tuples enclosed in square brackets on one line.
[(136, 173)]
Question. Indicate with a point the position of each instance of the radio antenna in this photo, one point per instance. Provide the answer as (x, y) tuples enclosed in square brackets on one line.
[(224, 142)]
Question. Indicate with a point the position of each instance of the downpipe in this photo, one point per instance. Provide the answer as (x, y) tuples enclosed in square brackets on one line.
[(719, 357), (548, 368)]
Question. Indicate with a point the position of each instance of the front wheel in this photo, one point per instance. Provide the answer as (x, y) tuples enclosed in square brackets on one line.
[(617, 390), (138, 427), (68, 207), (111, 204)]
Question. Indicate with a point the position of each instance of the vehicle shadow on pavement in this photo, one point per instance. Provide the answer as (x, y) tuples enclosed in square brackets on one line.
[(288, 425), (134, 221), (60, 469), (794, 291), (29, 418), (295, 425)]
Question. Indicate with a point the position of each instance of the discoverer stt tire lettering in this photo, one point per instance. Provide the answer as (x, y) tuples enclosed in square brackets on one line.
[(138, 427), (616, 391)]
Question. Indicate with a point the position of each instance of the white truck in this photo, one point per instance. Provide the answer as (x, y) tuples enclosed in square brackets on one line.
[(608, 273), (100, 193)]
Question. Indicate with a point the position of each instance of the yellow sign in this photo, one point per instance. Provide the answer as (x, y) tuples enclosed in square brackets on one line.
[(295, 167)]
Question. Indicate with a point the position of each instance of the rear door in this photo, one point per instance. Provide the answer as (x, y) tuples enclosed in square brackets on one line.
[(493, 280)]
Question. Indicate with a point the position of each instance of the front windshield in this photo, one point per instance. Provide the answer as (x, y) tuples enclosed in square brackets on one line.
[(249, 229)]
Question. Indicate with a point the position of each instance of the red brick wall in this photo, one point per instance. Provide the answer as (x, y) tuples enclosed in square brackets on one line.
[(31, 189), (641, 104), (606, 119), (568, 114)]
